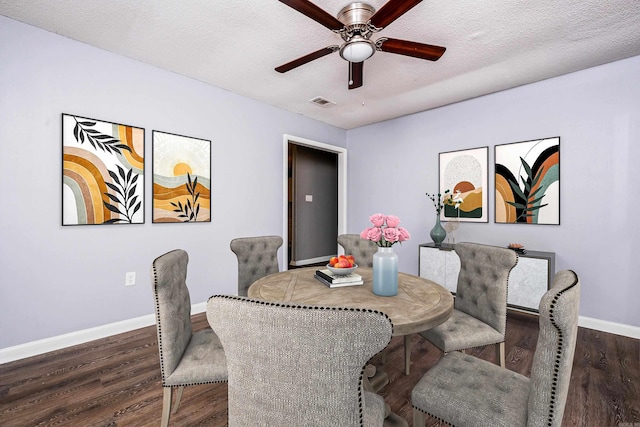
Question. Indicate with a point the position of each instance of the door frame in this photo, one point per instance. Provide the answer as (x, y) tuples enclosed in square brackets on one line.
[(342, 186)]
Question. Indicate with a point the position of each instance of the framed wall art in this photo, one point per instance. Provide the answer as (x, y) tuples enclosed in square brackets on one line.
[(102, 172), (181, 178), (464, 173), (528, 182)]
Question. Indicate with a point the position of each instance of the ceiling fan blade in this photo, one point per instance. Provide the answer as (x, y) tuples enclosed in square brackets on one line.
[(307, 58), (356, 71), (392, 10), (407, 48), (314, 12)]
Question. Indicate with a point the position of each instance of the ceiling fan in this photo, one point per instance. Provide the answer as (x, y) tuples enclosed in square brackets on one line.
[(356, 23)]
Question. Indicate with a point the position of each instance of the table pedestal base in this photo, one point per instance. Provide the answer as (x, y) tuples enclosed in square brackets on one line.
[(375, 380)]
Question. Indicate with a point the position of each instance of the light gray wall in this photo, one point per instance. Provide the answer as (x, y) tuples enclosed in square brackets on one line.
[(55, 279), (595, 112)]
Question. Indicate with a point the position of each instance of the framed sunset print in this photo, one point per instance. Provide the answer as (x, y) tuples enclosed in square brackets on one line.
[(181, 178), (102, 172), (528, 182), (464, 174)]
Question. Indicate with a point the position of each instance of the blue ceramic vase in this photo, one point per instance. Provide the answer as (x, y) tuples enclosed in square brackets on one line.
[(438, 233), (385, 272)]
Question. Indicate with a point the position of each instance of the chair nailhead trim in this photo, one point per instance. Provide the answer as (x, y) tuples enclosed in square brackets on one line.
[(432, 416), (155, 295), (304, 307), (559, 350)]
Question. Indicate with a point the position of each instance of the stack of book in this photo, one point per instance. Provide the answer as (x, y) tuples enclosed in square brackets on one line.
[(332, 280)]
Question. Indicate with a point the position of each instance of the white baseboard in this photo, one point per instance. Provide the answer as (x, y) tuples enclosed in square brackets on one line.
[(46, 345), (610, 327)]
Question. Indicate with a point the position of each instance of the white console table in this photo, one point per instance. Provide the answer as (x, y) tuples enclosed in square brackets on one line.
[(528, 281)]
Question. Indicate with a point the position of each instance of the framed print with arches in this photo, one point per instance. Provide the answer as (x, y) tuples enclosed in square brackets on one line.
[(464, 174)]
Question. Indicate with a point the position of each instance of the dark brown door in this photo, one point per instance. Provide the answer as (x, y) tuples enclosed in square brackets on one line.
[(313, 205)]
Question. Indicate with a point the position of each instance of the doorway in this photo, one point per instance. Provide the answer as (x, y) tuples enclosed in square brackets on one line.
[(314, 201)]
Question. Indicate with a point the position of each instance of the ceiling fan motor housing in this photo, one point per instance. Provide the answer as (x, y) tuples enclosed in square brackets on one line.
[(356, 13), (356, 32), (355, 17)]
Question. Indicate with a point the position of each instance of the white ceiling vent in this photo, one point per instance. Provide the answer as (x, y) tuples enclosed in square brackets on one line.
[(323, 102)]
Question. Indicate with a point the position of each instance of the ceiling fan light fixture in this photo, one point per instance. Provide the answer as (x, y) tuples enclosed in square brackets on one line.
[(357, 49)]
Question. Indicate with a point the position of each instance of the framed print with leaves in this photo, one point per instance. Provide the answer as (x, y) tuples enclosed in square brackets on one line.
[(102, 172), (181, 178), (528, 182), (464, 173)]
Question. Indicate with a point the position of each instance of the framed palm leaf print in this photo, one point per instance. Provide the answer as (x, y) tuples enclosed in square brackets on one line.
[(528, 182), (102, 172)]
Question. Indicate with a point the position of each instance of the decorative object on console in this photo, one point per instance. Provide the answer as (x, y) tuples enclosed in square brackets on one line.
[(465, 174), (450, 227), (102, 172), (439, 200), (181, 178), (528, 182), (518, 247), (385, 233), (438, 233)]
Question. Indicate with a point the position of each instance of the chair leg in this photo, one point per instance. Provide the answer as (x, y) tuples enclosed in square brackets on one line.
[(500, 354), (407, 353), (383, 356), (166, 406), (178, 397), (418, 418)]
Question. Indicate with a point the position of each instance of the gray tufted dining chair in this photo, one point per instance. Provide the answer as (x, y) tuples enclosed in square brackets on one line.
[(466, 391), (361, 249), (296, 365), (257, 257), (186, 357), (479, 315)]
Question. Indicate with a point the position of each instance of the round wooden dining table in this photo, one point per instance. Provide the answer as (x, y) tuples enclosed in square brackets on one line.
[(419, 305)]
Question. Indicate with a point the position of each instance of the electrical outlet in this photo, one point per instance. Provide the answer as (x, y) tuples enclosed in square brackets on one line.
[(130, 278)]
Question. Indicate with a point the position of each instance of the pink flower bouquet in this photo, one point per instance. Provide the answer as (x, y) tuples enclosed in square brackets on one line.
[(385, 231)]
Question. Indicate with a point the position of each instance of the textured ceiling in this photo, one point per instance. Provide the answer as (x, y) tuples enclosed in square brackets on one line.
[(491, 46)]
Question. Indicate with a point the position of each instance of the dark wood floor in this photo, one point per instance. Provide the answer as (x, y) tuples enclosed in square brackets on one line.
[(116, 381)]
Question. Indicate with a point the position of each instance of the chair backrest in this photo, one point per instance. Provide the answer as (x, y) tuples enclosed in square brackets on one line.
[(173, 308), (257, 257), (553, 358), (296, 365), (481, 291), (361, 249)]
